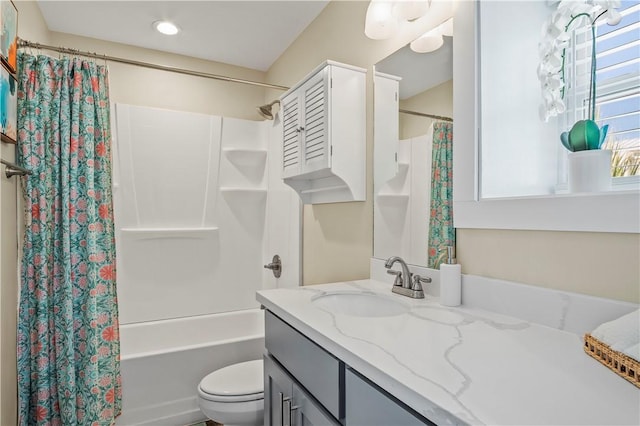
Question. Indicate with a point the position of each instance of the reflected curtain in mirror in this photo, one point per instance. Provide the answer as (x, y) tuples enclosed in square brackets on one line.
[(441, 230)]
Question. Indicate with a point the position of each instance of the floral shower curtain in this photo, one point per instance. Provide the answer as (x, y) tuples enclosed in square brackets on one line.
[(441, 230), (68, 344)]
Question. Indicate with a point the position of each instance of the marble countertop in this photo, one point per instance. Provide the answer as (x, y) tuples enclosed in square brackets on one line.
[(463, 365)]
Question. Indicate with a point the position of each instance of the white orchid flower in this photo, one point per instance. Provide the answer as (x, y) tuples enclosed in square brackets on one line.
[(556, 38), (613, 17), (552, 105), (552, 28), (565, 5), (542, 113), (553, 83), (562, 41), (552, 59), (608, 4), (556, 106)]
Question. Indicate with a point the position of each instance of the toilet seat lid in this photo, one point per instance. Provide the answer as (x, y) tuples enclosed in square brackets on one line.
[(242, 381)]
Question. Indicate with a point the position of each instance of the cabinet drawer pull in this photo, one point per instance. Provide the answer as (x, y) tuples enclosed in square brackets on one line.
[(286, 409), (287, 412), (281, 405)]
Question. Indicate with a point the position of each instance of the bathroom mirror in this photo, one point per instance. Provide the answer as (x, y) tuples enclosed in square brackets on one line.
[(612, 211), (520, 152), (416, 83)]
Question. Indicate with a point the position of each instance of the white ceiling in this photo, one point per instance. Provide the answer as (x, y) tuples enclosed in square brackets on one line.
[(250, 34)]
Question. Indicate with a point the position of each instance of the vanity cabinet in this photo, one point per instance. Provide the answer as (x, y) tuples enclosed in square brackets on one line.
[(368, 405), (315, 369), (286, 403), (324, 134), (306, 385)]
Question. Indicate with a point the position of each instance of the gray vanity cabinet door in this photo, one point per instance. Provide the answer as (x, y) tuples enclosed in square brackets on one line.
[(278, 388), (286, 403), (308, 412), (319, 372), (366, 405)]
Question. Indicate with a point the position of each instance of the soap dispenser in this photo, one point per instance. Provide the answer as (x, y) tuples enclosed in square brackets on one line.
[(450, 280)]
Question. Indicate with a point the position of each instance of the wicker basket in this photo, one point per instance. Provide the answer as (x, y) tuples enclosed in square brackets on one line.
[(621, 364)]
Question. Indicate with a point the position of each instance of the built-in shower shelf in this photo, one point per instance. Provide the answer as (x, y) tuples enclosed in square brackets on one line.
[(164, 233), (392, 198), (402, 170), (243, 192), (246, 157)]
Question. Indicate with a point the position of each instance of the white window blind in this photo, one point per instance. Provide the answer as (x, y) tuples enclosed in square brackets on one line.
[(618, 85)]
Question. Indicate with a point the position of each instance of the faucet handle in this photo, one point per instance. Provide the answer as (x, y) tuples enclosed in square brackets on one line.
[(417, 281), (398, 275)]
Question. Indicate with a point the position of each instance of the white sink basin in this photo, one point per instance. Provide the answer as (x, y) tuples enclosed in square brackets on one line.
[(360, 304)]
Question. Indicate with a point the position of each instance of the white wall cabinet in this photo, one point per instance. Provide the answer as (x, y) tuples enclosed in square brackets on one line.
[(324, 135)]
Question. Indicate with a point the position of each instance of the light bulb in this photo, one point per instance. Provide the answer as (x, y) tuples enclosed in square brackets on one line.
[(410, 10), (427, 42), (379, 22), (166, 27)]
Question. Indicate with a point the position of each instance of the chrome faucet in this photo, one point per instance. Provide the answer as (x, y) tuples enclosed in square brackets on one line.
[(404, 278), (406, 283)]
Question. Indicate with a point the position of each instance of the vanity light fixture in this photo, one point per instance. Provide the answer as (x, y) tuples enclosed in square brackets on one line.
[(384, 16), (409, 10), (427, 42), (380, 23), (432, 40), (166, 27)]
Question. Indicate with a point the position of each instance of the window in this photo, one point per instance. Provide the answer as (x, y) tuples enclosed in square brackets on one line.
[(617, 82)]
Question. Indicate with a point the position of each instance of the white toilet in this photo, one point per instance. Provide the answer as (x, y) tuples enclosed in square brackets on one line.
[(234, 395)]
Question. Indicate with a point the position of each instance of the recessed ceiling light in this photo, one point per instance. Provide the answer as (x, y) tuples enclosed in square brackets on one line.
[(166, 27)]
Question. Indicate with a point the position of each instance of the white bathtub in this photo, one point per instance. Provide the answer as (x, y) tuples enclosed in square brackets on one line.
[(162, 362)]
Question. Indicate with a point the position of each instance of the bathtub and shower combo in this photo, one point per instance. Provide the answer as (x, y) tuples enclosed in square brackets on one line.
[(197, 201)]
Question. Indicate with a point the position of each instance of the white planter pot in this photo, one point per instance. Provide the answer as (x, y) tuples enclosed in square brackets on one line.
[(590, 171)]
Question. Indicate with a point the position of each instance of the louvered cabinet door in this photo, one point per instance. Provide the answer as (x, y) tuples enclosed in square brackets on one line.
[(291, 135), (324, 135), (316, 153)]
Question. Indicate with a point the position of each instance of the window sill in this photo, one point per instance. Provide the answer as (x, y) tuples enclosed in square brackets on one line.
[(625, 183), (612, 211)]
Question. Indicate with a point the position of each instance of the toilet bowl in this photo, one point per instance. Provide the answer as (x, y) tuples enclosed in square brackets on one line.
[(234, 395)]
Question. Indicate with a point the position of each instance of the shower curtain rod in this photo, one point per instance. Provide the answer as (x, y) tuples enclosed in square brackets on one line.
[(27, 43), (14, 169), (423, 114)]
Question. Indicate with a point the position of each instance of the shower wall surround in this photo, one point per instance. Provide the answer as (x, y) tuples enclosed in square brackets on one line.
[(401, 207), (190, 199)]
